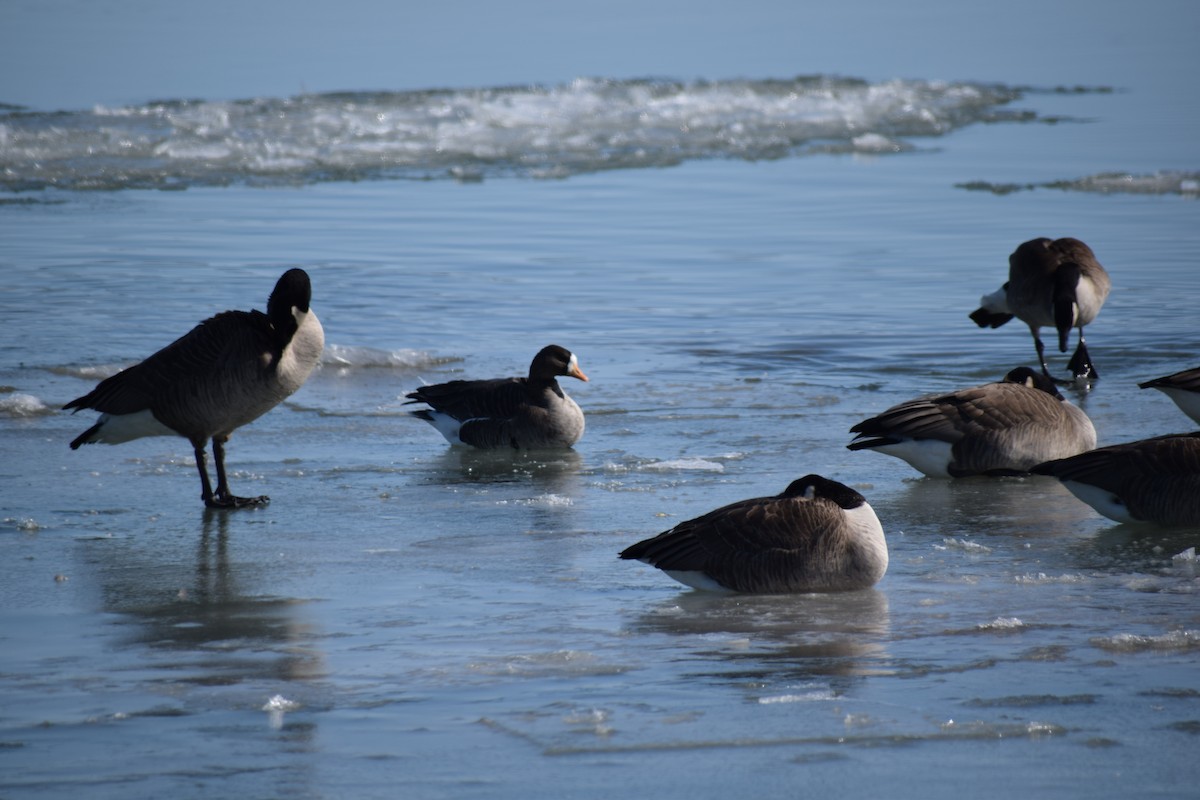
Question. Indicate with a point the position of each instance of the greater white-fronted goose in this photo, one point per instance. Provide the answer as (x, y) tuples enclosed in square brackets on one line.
[(1183, 388), (817, 536), (521, 413), (226, 372), (1151, 480), (1002, 428), (1055, 282)]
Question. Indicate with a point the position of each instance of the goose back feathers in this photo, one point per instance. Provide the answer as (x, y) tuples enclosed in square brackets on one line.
[(817, 536), (1001, 428), (1151, 480)]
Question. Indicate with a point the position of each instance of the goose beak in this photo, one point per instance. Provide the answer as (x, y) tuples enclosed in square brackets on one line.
[(574, 371)]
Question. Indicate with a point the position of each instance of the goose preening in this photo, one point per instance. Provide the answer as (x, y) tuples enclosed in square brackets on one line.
[(1055, 282), (1002, 428), (1183, 388), (226, 372), (817, 536), (1151, 480), (522, 413)]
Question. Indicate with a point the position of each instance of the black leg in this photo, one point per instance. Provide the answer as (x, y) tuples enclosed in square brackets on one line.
[(206, 492), (224, 498), (1081, 362), (1041, 351)]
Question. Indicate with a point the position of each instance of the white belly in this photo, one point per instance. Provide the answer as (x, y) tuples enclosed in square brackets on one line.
[(118, 428)]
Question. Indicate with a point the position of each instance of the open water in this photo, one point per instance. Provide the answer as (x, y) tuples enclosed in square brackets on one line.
[(776, 234)]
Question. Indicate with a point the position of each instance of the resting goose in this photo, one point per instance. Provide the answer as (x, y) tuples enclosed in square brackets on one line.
[(817, 536), (1183, 388), (1050, 282), (226, 372), (522, 413), (1002, 428), (1152, 480)]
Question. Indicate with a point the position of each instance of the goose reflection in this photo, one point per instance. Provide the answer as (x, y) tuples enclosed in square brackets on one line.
[(552, 468), (991, 505), (772, 638), (543, 483), (199, 621), (1164, 557)]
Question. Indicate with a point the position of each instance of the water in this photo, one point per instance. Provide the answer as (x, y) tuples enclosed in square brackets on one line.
[(408, 615)]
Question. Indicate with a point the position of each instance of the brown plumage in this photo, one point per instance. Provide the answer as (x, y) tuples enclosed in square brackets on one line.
[(1151, 480), (1051, 282), (226, 372), (817, 536), (1182, 387), (520, 413), (1002, 428)]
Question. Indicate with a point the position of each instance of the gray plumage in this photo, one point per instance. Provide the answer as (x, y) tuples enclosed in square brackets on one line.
[(817, 536), (1151, 480), (226, 372), (1182, 387), (1001, 428), (1056, 283), (520, 413)]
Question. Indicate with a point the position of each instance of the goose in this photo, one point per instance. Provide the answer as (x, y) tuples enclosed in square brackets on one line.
[(1055, 282), (226, 372), (1151, 480), (817, 536), (522, 413), (1002, 428), (1183, 388)]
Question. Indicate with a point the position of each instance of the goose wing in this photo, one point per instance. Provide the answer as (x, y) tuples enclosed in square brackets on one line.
[(218, 347), (1156, 479), (980, 411), (762, 544), (499, 398), (1187, 380)]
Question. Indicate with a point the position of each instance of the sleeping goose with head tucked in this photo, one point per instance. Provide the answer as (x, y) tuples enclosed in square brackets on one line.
[(817, 536), (1002, 428), (1151, 480)]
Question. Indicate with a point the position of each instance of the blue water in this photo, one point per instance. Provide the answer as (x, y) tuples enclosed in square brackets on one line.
[(405, 617)]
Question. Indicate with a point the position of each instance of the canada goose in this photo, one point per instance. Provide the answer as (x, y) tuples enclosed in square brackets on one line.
[(1183, 388), (1050, 282), (226, 372), (521, 413), (1002, 428), (1152, 480), (817, 536)]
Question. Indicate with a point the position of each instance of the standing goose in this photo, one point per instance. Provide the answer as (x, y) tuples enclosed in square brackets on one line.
[(1183, 388), (1050, 282), (1002, 428), (226, 372), (522, 413), (1152, 480), (817, 536)]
